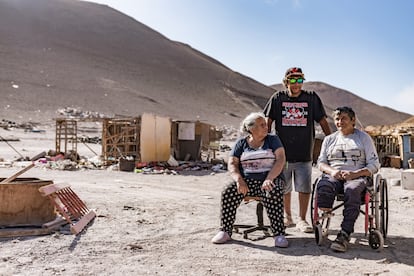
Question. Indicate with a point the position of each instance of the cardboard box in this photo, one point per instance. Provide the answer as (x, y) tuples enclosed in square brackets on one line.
[(395, 161), (407, 179)]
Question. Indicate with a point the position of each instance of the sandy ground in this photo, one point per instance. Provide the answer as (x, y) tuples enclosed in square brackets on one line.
[(162, 225)]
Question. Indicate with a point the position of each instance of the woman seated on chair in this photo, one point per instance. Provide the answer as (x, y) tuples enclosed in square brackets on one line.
[(348, 159), (255, 164)]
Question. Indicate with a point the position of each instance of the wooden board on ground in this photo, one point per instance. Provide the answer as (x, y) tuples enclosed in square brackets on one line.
[(23, 232)]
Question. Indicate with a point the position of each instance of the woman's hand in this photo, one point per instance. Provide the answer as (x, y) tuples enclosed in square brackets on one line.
[(267, 185), (242, 187)]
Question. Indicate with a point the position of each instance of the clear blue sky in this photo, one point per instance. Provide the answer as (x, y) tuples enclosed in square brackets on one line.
[(363, 46)]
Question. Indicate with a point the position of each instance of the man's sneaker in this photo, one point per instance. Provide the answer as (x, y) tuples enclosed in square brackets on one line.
[(340, 244), (281, 241), (288, 222), (304, 226), (221, 237)]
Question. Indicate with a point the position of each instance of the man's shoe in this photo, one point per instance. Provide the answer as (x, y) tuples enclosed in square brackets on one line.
[(304, 226), (340, 244), (281, 241), (325, 209), (221, 237), (288, 222)]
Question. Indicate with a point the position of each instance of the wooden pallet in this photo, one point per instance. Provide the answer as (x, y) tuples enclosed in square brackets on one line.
[(69, 205)]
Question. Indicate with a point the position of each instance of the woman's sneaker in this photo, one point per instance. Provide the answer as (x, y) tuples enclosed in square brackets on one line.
[(281, 241), (221, 237), (340, 244)]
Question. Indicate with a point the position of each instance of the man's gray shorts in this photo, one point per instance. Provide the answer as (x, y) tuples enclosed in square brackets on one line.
[(301, 174)]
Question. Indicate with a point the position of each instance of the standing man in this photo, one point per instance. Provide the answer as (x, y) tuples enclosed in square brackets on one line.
[(294, 112)]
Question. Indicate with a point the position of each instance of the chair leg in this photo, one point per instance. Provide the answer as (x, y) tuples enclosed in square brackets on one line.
[(259, 213), (252, 228)]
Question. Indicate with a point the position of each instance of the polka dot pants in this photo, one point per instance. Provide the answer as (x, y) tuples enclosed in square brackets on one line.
[(272, 202)]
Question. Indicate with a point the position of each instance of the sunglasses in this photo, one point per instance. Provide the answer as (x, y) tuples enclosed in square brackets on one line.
[(292, 81)]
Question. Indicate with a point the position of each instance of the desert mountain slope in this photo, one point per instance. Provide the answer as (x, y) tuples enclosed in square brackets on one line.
[(68, 53)]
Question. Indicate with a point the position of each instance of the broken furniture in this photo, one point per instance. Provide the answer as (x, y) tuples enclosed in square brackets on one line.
[(28, 207), (69, 205)]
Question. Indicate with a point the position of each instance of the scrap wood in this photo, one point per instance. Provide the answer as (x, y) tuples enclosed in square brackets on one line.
[(20, 232), (90, 148), (38, 156), (69, 205), (13, 139), (46, 228), (5, 164), (58, 221), (4, 140), (14, 176)]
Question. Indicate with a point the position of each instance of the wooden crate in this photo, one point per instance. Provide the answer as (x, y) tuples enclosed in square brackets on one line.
[(395, 161), (121, 137)]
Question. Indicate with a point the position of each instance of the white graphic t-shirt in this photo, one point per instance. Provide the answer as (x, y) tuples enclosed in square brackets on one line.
[(351, 152)]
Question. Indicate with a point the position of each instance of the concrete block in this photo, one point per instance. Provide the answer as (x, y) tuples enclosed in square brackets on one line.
[(407, 179)]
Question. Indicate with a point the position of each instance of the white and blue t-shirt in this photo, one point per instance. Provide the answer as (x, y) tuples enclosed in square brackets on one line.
[(256, 163)]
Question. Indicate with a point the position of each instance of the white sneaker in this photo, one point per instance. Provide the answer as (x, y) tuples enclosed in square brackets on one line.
[(304, 226), (288, 222), (221, 237)]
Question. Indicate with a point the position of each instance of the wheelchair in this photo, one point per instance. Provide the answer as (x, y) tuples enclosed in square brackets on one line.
[(374, 207)]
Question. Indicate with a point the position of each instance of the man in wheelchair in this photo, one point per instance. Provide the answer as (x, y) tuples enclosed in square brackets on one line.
[(348, 159)]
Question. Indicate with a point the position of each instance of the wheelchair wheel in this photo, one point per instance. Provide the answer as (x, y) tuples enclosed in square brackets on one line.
[(318, 234), (376, 240), (376, 200), (383, 207), (312, 203)]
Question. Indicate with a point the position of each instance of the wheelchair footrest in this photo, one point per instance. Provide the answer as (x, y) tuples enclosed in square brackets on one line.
[(326, 215)]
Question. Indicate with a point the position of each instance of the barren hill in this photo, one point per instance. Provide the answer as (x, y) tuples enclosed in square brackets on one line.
[(68, 53)]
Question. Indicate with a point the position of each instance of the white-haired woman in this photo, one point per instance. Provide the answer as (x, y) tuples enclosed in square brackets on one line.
[(256, 163)]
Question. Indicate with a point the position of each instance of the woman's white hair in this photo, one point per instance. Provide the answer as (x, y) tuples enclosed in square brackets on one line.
[(249, 122)]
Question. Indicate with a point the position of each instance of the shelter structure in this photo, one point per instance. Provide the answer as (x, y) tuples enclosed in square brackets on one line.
[(145, 138), (66, 135), (394, 150), (190, 138)]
